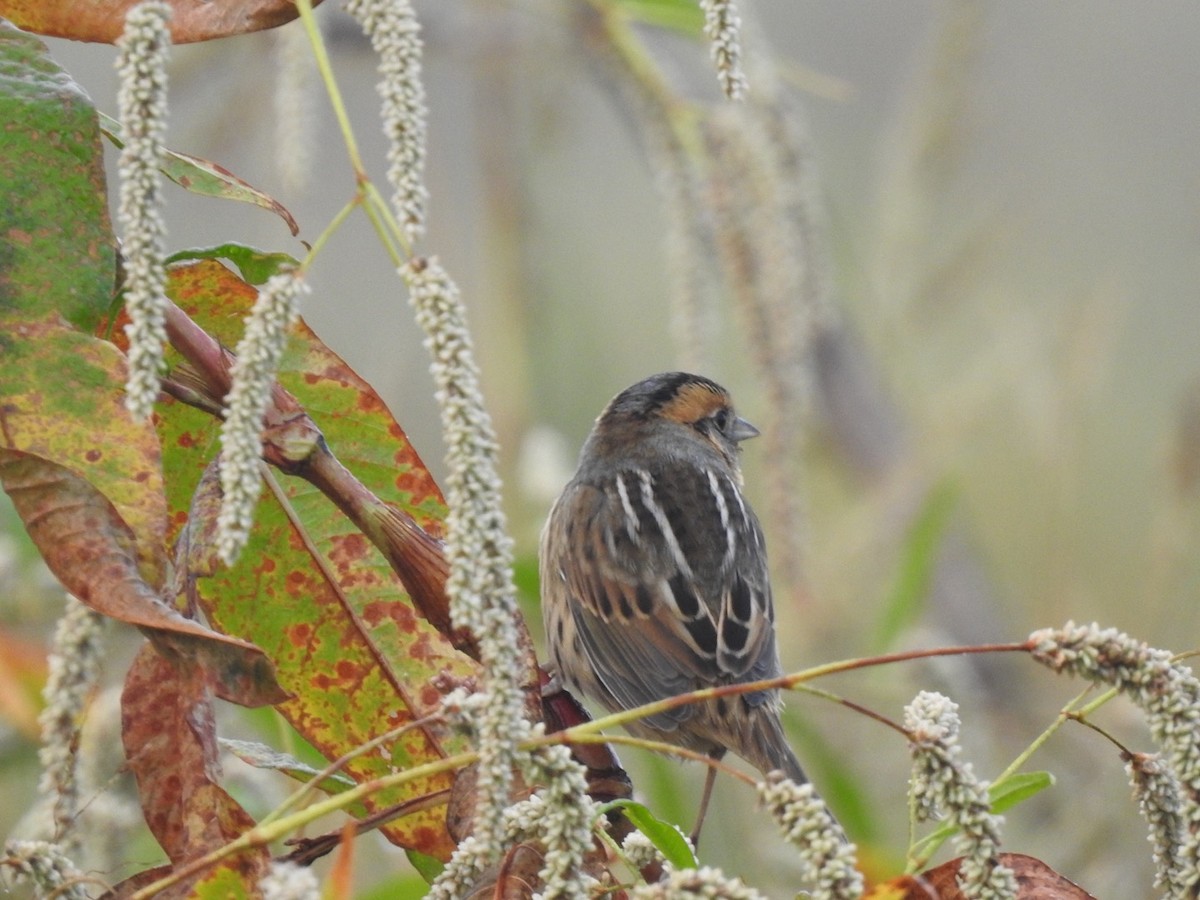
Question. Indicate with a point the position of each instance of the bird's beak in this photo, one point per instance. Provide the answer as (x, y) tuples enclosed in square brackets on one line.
[(741, 430)]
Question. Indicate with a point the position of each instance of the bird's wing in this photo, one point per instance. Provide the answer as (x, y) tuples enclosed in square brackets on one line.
[(667, 596)]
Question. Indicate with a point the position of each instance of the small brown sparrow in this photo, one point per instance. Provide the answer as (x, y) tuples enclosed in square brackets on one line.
[(654, 573)]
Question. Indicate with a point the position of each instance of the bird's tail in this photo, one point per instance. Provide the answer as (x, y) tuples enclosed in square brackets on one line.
[(768, 749)]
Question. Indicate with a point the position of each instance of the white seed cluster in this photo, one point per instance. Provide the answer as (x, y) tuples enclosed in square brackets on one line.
[(705, 883), (1161, 804), (1169, 696), (44, 865), (74, 662), (564, 824), (539, 818), (478, 548), (258, 353), (142, 106), (483, 600), (828, 859), (395, 34), (640, 851), (288, 881), (942, 782), (295, 105), (723, 26)]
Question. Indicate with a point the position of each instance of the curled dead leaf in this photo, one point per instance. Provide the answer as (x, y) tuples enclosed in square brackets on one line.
[(91, 550), (1035, 881)]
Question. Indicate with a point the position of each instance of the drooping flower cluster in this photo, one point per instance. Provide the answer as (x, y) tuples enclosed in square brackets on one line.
[(395, 34), (723, 26), (258, 353), (1169, 696), (288, 881), (295, 106), (1161, 805), (478, 548), (44, 865), (805, 820), (943, 783), (705, 883), (142, 105), (74, 669)]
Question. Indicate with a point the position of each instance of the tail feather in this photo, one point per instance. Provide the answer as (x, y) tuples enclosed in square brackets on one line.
[(766, 747)]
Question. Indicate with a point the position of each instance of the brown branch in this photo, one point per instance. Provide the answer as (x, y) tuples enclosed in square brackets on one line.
[(294, 444), (309, 850)]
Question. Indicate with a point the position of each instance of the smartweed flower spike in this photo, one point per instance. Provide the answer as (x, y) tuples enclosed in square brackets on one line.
[(723, 26), (941, 782), (828, 858), (640, 850), (395, 34), (565, 824), (705, 883), (1160, 803), (44, 865), (478, 548), (74, 669), (288, 881), (258, 353), (1169, 695), (295, 100), (142, 106)]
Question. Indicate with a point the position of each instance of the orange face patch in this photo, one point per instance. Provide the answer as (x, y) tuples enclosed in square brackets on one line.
[(694, 401)]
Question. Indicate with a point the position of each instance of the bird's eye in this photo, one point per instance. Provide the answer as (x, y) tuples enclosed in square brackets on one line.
[(721, 419)]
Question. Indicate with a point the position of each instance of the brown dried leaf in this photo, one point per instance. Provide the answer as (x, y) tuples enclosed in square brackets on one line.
[(102, 20), (91, 550), (1035, 881), (169, 732)]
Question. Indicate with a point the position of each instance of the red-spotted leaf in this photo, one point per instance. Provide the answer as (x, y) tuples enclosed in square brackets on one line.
[(169, 733), (309, 588), (57, 252), (90, 549)]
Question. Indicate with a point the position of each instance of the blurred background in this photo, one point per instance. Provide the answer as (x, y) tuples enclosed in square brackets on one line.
[(1006, 408)]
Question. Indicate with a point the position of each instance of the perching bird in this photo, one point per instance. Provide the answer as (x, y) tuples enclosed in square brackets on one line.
[(654, 573)]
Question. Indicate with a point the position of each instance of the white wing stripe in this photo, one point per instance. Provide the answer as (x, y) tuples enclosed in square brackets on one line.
[(631, 519), (723, 508), (660, 517)]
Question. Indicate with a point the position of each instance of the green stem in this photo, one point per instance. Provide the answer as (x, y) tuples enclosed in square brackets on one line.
[(334, 224), (331, 88), (386, 226)]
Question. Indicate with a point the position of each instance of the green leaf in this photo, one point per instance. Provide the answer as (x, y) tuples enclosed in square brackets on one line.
[(918, 556), (263, 757), (1018, 788), (428, 867), (256, 266), (664, 836), (207, 178), (399, 887), (57, 251), (679, 15), (1002, 795), (664, 786)]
